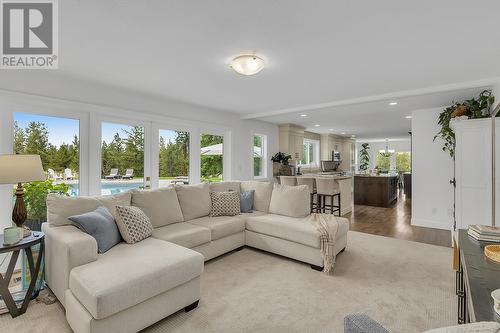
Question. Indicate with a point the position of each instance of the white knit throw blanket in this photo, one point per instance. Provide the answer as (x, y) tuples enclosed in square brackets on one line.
[(327, 226)]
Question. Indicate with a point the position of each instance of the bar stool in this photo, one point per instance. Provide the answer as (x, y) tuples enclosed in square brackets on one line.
[(311, 183), (327, 189), (288, 180)]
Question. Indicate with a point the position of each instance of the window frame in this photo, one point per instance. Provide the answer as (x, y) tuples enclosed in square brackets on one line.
[(263, 156), (316, 153), (226, 151), (155, 152)]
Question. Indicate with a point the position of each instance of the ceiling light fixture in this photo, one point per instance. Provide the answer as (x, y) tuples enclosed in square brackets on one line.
[(393, 103), (343, 133), (303, 115), (331, 129), (409, 117), (247, 64), (317, 125)]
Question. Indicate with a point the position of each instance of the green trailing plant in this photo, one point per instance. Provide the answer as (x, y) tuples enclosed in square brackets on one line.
[(35, 197), (364, 157), (281, 158), (473, 108)]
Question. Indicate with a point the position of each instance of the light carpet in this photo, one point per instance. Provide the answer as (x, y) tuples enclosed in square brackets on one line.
[(406, 286)]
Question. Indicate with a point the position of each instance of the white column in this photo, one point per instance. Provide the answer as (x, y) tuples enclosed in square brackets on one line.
[(6, 134), (194, 157)]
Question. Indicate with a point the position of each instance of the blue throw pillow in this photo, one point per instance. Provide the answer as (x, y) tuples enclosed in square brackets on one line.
[(101, 225), (246, 201)]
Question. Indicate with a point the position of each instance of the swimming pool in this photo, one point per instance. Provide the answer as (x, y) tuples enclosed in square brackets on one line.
[(108, 188)]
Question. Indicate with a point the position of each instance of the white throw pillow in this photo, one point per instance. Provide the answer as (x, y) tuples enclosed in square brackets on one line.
[(133, 224), (195, 200), (262, 194), (60, 207), (225, 186), (161, 206), (291, 201)]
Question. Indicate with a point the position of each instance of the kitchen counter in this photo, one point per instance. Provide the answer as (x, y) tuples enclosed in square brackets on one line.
[(375, 190)]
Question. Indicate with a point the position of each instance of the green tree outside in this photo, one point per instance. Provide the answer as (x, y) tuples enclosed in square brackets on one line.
[(403, 161)]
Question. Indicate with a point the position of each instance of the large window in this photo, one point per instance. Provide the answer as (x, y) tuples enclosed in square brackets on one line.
[(311, 153), (122, 154), (174, 158), (57, 141), (259, 156), (403, 161), (211, 157), (383, 162)]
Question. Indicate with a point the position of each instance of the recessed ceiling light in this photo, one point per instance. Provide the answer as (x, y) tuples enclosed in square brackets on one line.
[(331, 129), (393, 103), (303, 115), (343, 133), (409, 117), (317, 125), (247, 64)]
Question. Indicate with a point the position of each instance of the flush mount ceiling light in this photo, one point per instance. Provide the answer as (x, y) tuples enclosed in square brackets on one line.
[(409, 117), (393, 103), (303, 115), (247, 64)]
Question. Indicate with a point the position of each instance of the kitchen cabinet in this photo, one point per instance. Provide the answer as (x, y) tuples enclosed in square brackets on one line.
[(291, 140)]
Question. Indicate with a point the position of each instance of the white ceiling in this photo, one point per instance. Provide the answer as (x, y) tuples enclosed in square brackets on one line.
[(316, 52), (371, 120)]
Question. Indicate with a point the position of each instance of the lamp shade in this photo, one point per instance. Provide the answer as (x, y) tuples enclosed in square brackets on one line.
[(20, 169)]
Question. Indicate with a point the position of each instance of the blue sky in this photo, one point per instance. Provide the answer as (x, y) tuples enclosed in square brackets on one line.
[(62, 130)]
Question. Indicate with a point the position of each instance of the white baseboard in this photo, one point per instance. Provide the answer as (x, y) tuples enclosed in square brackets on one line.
[(432, 224)]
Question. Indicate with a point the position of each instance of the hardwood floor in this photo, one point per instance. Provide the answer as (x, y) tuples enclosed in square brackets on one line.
[(395, 222)]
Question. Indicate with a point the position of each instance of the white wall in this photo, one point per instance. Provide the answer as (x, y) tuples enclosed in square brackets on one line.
[(91, 103), (432, 170), (398, 145)]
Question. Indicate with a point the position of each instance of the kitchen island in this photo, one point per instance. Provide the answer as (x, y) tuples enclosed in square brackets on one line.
[(375, 190), (345, 186)]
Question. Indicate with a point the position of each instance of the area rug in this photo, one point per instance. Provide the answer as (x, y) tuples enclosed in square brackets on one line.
[(406, 286)]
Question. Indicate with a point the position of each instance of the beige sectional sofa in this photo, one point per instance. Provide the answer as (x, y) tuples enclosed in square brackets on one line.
[(132, 286)]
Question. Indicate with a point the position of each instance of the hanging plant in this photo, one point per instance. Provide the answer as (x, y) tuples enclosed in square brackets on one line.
[(473, 108)]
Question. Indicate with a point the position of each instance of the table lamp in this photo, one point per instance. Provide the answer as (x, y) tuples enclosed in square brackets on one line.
[(18, 169)]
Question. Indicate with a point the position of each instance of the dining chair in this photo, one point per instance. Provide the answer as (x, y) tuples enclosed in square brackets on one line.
[(327, 188)]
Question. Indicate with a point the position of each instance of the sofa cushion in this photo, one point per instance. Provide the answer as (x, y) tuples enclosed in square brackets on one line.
[(262, 194), (225, 203), (133, 224), (101, 225), (161, 206), (291, 201), (60, 207), (183, 234), (129, 274), (221, 226), (194, 200), (225, 186), (298, 230)]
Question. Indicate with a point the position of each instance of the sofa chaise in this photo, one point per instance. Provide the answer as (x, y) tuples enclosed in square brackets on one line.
[(132, 286)]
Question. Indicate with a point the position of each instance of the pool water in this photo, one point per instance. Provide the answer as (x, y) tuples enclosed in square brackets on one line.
[(109, 188)]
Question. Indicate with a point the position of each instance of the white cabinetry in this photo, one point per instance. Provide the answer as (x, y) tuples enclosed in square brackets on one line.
[(473, 172), (291, 140)]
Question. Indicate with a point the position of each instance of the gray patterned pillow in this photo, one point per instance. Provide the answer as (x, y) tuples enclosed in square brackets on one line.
[(225, 203), (133, 224)]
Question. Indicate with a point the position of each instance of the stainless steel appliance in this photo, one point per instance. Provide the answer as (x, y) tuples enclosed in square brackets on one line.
[(329, 166), (336, 157)]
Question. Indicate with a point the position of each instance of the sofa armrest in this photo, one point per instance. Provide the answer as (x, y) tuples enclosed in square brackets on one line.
[(360, 323), (66, 247)]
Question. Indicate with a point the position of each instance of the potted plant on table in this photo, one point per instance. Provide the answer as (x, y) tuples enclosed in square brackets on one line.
[(280, 164)]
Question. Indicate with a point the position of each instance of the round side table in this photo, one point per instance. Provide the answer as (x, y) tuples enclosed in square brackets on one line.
[(25, 244)]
